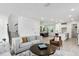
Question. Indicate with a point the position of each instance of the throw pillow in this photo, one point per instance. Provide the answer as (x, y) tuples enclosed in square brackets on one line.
[(24, 39)]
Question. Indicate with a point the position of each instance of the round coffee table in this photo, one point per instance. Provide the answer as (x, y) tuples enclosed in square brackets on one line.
[(45, 52)]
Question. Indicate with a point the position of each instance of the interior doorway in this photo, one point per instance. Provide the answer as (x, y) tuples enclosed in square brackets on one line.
[(74, 31)]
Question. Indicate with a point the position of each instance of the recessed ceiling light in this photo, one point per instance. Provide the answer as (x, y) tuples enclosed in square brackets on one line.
[(70, 15), (42, 18), (72, 9)]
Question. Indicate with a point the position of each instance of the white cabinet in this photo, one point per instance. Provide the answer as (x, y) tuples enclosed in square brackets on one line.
[(64, 36)]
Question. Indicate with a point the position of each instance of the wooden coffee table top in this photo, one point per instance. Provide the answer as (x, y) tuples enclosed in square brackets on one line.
[(45, 52)]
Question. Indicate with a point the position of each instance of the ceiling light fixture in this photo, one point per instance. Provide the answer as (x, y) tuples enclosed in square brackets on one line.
[(70, 15), (72, 9), (42, 18)]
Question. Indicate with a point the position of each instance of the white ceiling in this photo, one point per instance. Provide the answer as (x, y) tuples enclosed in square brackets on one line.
[(55, 12)]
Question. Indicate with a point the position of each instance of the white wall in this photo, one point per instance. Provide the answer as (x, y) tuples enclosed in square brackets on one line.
[(28, 27), (3, 28), (12, 20)]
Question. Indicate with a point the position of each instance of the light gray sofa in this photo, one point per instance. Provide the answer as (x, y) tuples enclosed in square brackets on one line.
[(18, 47)]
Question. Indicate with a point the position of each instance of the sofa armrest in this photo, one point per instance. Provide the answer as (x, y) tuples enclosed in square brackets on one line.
[(15, 43)]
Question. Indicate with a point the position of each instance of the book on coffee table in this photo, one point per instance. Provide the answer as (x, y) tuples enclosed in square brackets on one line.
[(42, 46)]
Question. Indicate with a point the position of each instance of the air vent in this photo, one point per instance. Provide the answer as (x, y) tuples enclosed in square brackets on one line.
[(63, 23)]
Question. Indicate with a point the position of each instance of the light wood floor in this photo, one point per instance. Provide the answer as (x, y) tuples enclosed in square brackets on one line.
[(70, 47)]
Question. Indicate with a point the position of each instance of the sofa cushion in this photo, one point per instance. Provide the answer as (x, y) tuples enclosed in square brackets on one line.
[(31, 38), (27, 45), (38, 37), (36, 42)]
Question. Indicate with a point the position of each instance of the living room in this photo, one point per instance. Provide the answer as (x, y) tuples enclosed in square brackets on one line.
[(26, 27)]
